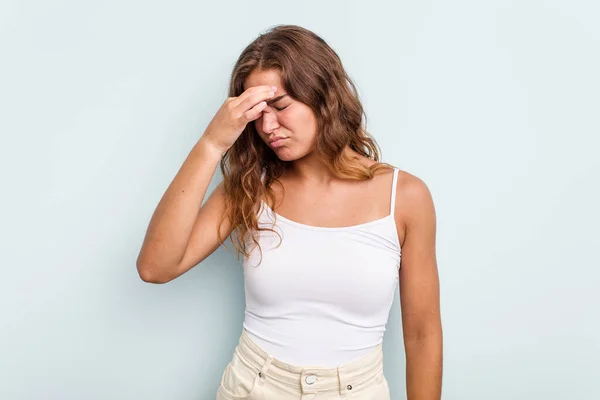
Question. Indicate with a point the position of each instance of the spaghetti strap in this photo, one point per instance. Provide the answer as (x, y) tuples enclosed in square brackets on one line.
[(394, 184)]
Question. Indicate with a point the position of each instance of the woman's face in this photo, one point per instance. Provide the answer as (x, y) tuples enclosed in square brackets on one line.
[(286, 118)]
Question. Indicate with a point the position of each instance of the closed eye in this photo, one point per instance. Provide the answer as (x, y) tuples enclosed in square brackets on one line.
[(275, 100)]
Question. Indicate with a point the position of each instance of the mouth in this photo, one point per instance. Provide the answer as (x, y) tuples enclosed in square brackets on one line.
[(278, 141)]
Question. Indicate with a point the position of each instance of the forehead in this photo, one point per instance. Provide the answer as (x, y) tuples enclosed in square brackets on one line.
[(270, 77)]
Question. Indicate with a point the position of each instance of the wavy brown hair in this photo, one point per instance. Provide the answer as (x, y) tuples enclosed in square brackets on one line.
[(313, 74)]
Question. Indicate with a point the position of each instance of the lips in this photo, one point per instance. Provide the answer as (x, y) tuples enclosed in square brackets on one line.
[(276, 138), (277, 141)]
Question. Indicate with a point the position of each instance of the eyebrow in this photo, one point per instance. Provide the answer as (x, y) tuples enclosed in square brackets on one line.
[(276, 99)]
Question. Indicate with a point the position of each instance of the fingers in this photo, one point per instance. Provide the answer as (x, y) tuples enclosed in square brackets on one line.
[(253, 96), (255, 111)]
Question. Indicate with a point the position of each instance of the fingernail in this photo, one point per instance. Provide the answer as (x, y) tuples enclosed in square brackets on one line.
[(274, 88)]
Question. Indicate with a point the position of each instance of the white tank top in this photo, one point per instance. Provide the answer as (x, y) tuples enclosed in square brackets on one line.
[(323, 297)]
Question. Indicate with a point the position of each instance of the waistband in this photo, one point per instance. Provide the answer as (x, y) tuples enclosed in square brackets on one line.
[(310, 379)]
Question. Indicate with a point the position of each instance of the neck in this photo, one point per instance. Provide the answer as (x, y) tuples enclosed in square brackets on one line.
[(311, 170)]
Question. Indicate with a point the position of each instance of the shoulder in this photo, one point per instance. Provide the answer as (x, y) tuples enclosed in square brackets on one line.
[(414, 203), (412, 188)]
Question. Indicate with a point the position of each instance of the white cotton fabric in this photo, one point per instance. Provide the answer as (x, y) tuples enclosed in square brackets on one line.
[(323, 297)]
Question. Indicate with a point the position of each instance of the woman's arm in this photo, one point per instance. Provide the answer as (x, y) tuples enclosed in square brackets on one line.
[(419, 291), (183, 232)]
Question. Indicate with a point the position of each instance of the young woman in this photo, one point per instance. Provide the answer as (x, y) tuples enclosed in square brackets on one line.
[(326, 231)]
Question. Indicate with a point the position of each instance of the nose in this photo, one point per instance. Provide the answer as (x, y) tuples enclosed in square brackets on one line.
[(269, 121)]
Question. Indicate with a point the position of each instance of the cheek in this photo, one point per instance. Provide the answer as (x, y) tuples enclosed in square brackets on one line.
[(299, 123), (257, 123), (308, 121)]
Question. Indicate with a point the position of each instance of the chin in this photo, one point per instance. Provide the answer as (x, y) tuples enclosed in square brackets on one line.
[(286, 154)]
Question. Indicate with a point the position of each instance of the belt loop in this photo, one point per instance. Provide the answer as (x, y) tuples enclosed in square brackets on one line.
[(341, 383), (263, 372)]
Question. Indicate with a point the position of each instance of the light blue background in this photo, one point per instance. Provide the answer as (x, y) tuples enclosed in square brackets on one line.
[(494, 104)]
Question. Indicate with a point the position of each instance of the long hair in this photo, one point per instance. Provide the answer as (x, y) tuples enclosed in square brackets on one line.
[(313, 74)]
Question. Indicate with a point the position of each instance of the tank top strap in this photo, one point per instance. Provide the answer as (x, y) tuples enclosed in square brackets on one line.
[(394, 184)]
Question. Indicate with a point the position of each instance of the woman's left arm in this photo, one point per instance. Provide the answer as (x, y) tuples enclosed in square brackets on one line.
[(419, 291)]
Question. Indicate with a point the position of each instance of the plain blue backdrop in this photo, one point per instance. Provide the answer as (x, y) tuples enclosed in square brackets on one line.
[(493, 104)]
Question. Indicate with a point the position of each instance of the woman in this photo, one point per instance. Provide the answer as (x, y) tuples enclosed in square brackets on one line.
[(321, 263)]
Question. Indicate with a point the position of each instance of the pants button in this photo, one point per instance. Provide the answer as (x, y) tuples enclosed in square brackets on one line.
[(310, 379)]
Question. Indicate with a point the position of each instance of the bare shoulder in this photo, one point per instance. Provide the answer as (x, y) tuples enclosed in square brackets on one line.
[(414, 204), (411, 187)]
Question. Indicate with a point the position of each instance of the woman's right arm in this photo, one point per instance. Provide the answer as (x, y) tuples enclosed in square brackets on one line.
[(183, 232)]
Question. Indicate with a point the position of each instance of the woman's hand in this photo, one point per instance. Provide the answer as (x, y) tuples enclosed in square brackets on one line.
[(235, 113)]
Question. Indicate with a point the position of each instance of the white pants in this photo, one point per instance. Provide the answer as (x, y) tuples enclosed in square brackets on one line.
[(254, 374)]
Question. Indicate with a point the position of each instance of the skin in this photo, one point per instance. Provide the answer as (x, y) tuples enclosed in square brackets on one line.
[(313, 196), (285, 116)]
